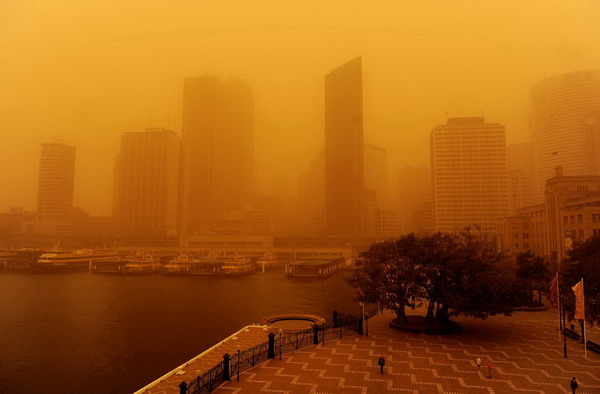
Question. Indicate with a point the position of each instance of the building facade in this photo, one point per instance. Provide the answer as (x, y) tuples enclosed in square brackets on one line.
[(147, 184), (520, 176), (55, 189), (469, 174), (414, 200), (570, 214), (217, 157), (344, 146), (566, 126)]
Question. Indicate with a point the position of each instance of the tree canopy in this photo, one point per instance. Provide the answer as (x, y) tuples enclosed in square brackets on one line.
[(583, 261), (534, 272), (453, 273)]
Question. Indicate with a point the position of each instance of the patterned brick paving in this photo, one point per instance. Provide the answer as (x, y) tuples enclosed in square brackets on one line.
[(524, 349)]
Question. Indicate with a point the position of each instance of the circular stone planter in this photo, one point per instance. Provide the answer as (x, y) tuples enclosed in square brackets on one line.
[(293, 322), (540, 308), (419, 325)]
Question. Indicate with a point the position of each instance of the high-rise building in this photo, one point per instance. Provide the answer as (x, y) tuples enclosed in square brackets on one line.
[(469, 173), (344, 172), (414, 199), (55, 189), (520, 176), (565, 126), (146, 184), (311, 195), (217, 145), (376, 173)]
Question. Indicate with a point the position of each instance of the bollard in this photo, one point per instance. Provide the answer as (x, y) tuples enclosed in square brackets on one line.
[(226, 374), (271, 350), (360, 326), (335, 318), (183, 388), (315, 334)]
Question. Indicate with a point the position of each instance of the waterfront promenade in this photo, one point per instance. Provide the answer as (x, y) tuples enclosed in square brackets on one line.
[(245, 338), (524, 349)]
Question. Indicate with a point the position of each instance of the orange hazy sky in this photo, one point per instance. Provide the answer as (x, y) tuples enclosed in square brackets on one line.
[(86, 71)]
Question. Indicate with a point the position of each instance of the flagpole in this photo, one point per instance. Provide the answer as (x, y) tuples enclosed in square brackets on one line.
[(583, 333), (564, 328)]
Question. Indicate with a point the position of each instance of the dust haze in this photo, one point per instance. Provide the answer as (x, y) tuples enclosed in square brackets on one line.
[(86, 72)]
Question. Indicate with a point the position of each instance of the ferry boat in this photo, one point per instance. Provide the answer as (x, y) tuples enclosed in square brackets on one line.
[(142, 263), (238, 265), (181, 265), (70, 261)]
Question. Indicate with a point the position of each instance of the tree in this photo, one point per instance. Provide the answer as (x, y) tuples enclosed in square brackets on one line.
[(387, 275), (583, 261), (454, 273), (534, 271)]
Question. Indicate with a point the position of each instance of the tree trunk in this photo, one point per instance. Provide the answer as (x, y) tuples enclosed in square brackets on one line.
[(401, 315), (429, 317), (442, 317)]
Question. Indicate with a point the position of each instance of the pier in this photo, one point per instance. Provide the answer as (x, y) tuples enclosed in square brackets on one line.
[(314, 267)]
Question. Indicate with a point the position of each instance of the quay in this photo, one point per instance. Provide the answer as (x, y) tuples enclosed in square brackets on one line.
[(314, 267), (247, 337), (524, 348)]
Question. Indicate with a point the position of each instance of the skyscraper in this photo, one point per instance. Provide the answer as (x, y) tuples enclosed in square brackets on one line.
[(217, 149), (469, 173), (566, 126), (376, 173), (344, 172), (520, 176), (414, 199), (146, 184), (55, 189)]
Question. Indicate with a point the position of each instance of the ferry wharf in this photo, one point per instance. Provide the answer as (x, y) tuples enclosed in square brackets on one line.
[(524, 349)]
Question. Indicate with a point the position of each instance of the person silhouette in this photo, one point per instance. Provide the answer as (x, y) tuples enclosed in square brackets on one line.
[(574, 385), (489, 366)]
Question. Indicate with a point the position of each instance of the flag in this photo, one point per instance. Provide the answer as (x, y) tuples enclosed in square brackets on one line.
[(579, 300), (554, 291)]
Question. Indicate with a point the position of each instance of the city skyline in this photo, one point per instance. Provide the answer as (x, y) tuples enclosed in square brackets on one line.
[(421, 63)]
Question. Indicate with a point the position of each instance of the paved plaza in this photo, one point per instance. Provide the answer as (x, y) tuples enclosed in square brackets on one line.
[(524, 349)]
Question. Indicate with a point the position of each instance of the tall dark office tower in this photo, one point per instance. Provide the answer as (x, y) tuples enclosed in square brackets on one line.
[(146, 184), (344, 170), (217, 149), (565, 126), (55, 189)]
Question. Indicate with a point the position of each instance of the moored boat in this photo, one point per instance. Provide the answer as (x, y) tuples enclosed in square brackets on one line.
[(181, 265), (142, 263), (238, 265), (71, 261)]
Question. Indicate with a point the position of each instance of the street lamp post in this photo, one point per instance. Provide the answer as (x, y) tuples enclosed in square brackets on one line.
[(238, 363), (280, 341)]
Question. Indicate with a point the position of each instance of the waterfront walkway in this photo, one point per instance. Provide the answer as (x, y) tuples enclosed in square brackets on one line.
[(246, 338), (524, 349)]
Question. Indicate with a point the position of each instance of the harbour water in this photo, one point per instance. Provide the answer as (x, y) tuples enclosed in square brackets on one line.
[(92, 333)]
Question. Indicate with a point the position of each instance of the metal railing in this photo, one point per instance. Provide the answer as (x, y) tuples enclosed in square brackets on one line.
[(233, 365)]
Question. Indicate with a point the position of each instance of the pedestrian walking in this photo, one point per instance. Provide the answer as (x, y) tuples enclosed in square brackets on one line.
[(381, 363), (489, 366), (574, 385), (478, 362)]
